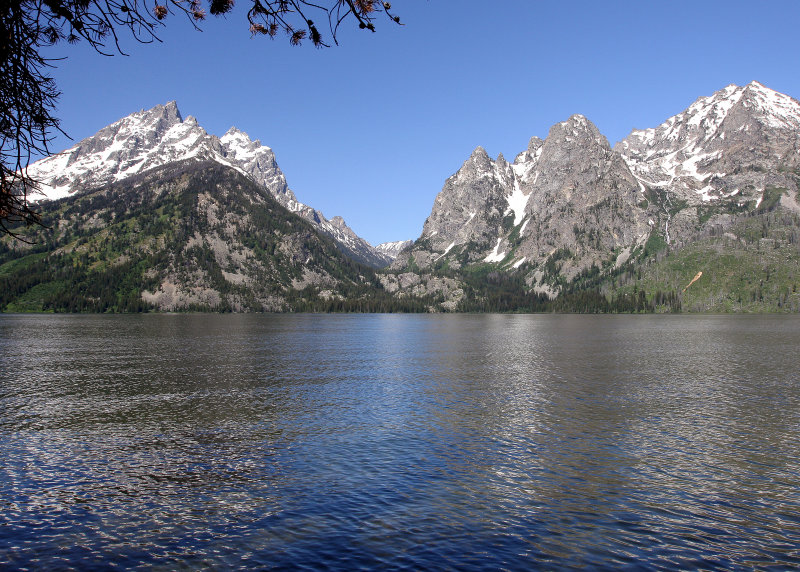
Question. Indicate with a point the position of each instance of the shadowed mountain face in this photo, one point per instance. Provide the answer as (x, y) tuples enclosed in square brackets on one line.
[(159, 136)]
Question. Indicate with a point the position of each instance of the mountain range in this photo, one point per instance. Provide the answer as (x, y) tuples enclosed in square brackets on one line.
[(572, 223)]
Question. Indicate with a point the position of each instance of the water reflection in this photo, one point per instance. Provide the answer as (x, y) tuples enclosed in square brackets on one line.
[(469, 441)]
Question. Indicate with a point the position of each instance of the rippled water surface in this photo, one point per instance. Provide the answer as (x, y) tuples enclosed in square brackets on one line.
[(393, 441)]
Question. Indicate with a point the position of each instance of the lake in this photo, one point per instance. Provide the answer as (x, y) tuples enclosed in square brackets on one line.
[(343, 442)]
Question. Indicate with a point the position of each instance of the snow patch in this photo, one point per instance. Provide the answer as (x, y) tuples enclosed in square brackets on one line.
[(496, 255), (517, 201), (446, 250)]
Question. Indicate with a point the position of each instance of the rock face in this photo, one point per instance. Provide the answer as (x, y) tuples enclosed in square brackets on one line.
[(159, 136), (571, 203), (570, 197)]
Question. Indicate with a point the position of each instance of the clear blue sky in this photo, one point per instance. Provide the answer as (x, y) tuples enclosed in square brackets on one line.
[(371, 129)]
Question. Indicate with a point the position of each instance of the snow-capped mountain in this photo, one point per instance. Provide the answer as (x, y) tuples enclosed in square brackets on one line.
[(155, 137), (392, 249), (713, 191), (733, 143)]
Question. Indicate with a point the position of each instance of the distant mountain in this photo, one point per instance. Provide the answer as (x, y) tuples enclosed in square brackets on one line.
[(571, 212), (159, 136), (392, 249)]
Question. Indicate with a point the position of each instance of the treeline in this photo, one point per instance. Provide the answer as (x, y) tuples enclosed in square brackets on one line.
[(494, 291), (62, 283)]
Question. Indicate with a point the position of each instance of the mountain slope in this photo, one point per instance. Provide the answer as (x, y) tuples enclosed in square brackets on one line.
[(188, 235), (159, 136)]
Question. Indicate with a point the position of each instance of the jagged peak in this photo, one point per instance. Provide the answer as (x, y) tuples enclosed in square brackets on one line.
[(759, 87), (172, 107), (719, 104), (479, 159), (759, 90), (576, 128), (534, 143), (480, 152), (234, 134), (578, 121), (167, 110), (705, 116), (532, 152)]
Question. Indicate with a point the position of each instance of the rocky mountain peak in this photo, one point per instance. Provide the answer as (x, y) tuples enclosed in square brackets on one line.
[(159, 119), (576, 131), (171, 109), (775, 109), (517, 215), (574, 145), (478, 164), (235, 138), (479, 160), (338, 222), (525, 161)]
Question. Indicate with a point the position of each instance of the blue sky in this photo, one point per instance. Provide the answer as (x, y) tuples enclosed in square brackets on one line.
[(370, 129)]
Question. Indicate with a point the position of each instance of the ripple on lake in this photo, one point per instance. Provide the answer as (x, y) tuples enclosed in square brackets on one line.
[(402, 441)]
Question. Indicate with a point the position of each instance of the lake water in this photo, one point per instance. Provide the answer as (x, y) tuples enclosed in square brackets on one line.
[(399, 441)]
